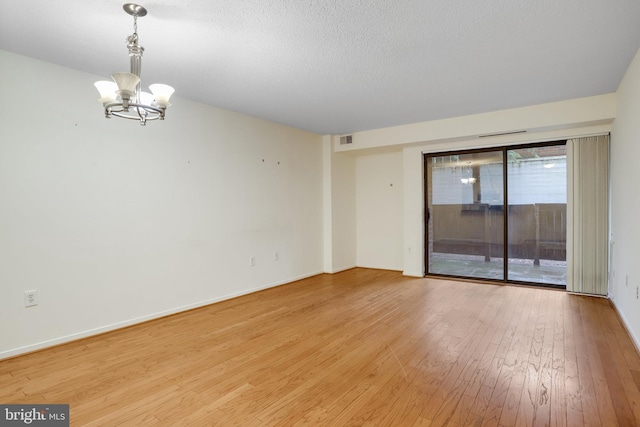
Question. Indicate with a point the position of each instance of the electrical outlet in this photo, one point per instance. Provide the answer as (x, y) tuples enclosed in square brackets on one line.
[(30, 298), (252, 262), (276, 256)]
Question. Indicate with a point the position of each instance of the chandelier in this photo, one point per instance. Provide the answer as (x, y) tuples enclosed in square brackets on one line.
[(470, 179), (123, 96)]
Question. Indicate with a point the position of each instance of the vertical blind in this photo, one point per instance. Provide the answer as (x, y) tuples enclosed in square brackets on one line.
[(588, 215)]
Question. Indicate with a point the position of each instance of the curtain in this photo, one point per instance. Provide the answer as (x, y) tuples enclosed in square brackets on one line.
[(588, 215)]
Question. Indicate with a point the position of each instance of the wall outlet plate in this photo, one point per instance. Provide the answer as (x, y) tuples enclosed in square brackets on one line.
[(30, 298)]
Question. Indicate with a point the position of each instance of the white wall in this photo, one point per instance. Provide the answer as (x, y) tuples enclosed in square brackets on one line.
[(625, 203), (379, 207), (534, 119), (343, 184), (585, 116), (339, 209), (114, 223), (413, 213)]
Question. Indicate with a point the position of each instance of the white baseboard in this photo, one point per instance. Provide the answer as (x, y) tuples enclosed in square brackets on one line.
[(119, 325), (412, 274), (634, 338), (339, 269)]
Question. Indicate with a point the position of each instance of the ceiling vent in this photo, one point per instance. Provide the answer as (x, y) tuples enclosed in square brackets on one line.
[(502, 134), (347, 139)]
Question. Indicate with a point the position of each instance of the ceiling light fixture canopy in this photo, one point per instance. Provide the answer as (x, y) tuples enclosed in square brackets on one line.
[(123, 96)]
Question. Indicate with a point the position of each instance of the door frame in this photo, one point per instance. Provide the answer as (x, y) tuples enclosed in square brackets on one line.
[(427, 214)]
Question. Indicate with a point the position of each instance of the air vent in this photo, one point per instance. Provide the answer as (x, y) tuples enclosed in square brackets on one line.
[(501, 134), (347, 139)]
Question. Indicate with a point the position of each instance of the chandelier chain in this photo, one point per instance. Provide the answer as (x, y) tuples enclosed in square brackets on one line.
[(124, 97), (133, 38)]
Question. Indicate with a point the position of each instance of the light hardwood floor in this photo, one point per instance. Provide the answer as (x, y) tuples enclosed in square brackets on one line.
[(361, 347)]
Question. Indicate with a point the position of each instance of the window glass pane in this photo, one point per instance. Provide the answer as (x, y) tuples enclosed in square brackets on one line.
[(465, 224), (537, 196)]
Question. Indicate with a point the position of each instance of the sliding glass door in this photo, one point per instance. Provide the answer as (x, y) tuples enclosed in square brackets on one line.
[(498, 214), (466, 214)]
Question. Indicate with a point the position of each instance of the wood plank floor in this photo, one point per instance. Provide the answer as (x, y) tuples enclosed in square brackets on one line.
[(361, 347)]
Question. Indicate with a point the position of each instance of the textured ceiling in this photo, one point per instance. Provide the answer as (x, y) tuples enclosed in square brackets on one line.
[(334, 67)]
